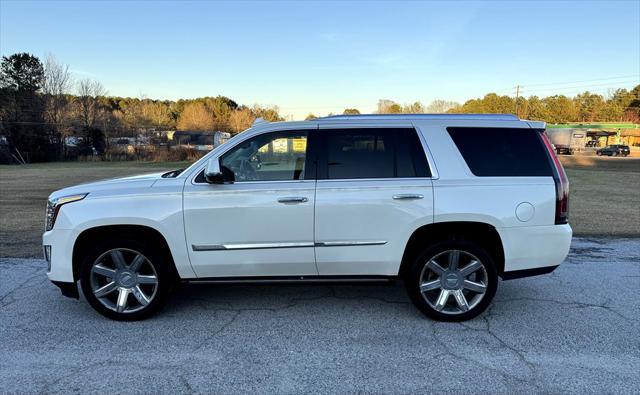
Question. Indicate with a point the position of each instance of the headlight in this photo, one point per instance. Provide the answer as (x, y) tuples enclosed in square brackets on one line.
[(53, 206)]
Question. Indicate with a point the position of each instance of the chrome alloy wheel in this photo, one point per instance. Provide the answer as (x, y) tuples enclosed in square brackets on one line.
[(124, 280), (453, 282)]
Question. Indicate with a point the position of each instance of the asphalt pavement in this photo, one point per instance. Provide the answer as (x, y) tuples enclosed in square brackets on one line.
[(576, 330)]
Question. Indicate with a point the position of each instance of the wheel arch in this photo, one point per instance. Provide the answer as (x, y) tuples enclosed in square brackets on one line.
[(87, 238), (479, 232)]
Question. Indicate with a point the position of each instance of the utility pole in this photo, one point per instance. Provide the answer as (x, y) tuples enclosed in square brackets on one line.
[(517, 96)]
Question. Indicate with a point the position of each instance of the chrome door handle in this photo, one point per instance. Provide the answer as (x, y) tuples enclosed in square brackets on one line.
[(292, 199), (407, 196)]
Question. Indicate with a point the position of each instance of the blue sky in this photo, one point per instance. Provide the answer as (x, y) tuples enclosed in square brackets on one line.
[(321, 57)]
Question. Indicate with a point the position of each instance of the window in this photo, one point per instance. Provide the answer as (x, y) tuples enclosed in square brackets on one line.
[(373, 153), (502, 152), (278, 156)]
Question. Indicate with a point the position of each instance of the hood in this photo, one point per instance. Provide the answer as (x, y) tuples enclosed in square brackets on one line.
[(131, 185)]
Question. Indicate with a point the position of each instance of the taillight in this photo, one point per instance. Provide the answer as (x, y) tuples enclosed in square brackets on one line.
[(562, 184)]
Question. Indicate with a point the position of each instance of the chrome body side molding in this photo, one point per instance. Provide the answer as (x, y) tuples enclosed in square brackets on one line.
[(257, 246)]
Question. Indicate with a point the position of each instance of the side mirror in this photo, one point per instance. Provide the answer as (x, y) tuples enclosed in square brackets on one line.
[(212, 173)]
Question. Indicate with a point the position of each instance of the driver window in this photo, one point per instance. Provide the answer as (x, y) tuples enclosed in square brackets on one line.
[(278, 156)]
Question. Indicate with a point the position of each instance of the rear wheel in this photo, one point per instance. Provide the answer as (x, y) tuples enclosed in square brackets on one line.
[(452, 281), (125, 279)]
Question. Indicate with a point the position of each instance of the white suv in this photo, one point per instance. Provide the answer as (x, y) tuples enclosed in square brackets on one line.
[(446, 203)]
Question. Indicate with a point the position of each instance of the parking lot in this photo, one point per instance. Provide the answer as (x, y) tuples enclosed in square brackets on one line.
[(573, 331)]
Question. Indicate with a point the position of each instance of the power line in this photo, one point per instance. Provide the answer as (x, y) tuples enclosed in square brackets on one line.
[(577, 82), (606, 84)]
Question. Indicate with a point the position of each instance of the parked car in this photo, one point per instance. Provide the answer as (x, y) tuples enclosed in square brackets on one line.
[(614, 150), (447, 203)]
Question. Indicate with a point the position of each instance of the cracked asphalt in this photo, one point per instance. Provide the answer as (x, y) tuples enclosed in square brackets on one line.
[(574, 331)]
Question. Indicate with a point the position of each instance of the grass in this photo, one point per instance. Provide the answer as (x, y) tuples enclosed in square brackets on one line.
[(24, 191), (605, 196)]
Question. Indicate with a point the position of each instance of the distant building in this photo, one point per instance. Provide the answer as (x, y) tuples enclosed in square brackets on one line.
[(201, 141)]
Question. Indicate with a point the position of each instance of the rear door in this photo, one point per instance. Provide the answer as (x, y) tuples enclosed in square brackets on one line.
[(374, 188)]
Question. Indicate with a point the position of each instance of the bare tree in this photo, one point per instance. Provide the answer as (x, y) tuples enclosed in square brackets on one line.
[(89, 91), (241, 119), (196, 117), (57, 82), (413, 108), (441, 106)]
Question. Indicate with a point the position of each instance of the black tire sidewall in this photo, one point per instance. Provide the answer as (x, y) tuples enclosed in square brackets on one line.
[(157, 259), (412, 279)]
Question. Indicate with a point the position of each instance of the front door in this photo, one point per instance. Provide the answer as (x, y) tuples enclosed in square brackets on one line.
[(261, 222)]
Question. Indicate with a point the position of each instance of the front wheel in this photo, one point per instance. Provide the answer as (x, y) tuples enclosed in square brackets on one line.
[(452, 281), (124, 279)]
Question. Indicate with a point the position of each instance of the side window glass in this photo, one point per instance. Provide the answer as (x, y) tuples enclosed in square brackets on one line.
[(360, 154), (278, 156), (374, 153)]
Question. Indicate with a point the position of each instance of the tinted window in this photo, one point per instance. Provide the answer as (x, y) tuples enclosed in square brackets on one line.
[(373, 153), (278, 156), (502, 151)]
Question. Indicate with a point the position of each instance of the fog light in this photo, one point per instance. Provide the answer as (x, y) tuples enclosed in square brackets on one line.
[(47, 257)]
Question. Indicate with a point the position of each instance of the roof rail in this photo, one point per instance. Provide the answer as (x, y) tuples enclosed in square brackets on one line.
[(495, 117)]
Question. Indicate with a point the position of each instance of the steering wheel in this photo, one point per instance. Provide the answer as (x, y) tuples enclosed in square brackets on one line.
[(246, 171)]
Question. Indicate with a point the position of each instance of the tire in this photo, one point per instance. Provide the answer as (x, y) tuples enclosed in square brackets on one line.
[(125, 280), (598, 153), (477, 288)]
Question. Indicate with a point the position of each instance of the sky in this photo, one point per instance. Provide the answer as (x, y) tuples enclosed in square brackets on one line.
[(322, 57)]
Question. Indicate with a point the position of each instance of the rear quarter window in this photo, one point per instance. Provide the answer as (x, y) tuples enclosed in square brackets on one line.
[(502, 152)]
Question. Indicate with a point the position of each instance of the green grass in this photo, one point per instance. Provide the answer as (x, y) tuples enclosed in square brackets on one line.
[(605, 196)]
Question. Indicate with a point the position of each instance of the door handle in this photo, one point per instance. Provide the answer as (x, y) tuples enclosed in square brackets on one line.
[(408, 196), (292, 199)]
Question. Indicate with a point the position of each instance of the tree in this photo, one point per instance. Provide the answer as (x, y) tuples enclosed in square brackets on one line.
[(415, 108), (57, 82), (22, 72), (271, 114), (441, 106), (240, 120), (197, 117), (310, 117), (589, 106), (386, 106), (351, 111), (22, 108), (89, 92)]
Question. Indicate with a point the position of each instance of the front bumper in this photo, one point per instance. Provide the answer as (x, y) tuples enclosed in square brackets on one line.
[(60, 260)]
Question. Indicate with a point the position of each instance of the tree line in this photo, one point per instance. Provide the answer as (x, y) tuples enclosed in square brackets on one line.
[(41, 105), (38, 112), (619, 105)]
